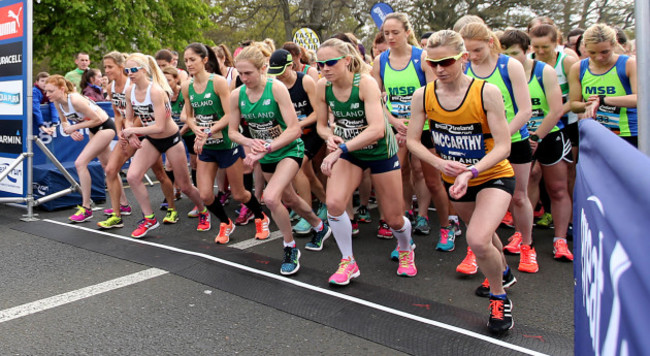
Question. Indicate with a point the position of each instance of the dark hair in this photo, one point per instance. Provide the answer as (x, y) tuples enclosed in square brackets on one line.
[(578, 43), (426, 35), (164, 55), (515, 37), (544, 30), (246, 43), (206, 52), (575, 32), (42, 75), (343, 37), (76, 56), (293, 48), (379, 38), (621, 37), (222, 51), (85, 77)]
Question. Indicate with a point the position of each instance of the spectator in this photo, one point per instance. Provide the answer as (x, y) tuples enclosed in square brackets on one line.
[(82, 60), (39, 84), (38, 98), (91, 85)]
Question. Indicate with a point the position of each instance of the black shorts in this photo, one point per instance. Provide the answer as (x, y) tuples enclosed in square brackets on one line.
[(313, 143), (163, 144), (553, 148), (106, 125), (520, 152), (632, 140), (506, 184), (270, 167), (375, 166), (223, 158), (189, 143), (573, 133), (427, 139)]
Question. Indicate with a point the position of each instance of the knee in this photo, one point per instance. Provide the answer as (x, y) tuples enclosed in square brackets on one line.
[(111, 170), (520, 199), (480, 244), (336, 206), (396, 222), (80, 164), (272, 199), (133, 178), (557, 191), (241, 195), (206, 196)]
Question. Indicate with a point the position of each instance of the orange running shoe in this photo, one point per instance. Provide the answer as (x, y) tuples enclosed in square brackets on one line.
[(224, 232), (512, 248), (468, 266), (204, 221), (528, 259), (507, 220), (262, 228), (561, 251)]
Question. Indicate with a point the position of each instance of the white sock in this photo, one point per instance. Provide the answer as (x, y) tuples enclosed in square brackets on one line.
[(291, 244), (559, 238), (453, 218), (403, 235), (318, 227), (342, 230)]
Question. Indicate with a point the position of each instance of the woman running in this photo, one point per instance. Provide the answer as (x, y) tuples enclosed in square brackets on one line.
[(265, 104), (148, 100), (78, 112), (487, 63), (114, 66), (207, 117), (470, 133), (604, 86), (226, 65), (360, 138)]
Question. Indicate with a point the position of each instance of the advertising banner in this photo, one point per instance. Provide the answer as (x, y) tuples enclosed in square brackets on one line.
[(378, 13)]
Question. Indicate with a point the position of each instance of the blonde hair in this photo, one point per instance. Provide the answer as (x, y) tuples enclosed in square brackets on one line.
[(599, 33), (404, 19), (480, 32), (357, 64), (271, 43), (257, 53), (59, 81), (148, 63), (117, 57), (466, 19), (446, 38)]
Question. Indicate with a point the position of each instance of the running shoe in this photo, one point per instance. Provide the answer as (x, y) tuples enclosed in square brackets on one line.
[(318, 238), (395, 254), (81, 215), (348, 269), (507, 220), (421, 225), (293, 216), (322, 212), (455, 224), (407, 264), (512, 248), (124, 210), (561, 251), (528, 259), (245, 216), (508, 281), (384, 231), (224, 197), (355, 227), (468, 266), (545, 222), (177, 194), (171, 217), (409, 215), (111, 222), (291, 261), (144, 226), (164, 205), (194, 213), (262, 228), (538, 213), (302, 228), (224, 232), (364, 214), (204, 221), (447, 239), (500, 315)]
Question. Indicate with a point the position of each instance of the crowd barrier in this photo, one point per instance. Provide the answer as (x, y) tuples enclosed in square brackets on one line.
[(611, 247)]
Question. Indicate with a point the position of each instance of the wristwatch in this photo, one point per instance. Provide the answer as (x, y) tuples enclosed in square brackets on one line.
[(267, 146), (535, 138)]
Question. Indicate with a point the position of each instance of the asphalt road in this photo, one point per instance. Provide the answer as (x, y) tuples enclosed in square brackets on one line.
[(208, 299)]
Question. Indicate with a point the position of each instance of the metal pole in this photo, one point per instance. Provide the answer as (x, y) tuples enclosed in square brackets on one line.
[(643, 73), (30, 122)]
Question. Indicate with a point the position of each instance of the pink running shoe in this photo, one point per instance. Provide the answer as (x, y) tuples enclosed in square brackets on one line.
[(407, 264), (124, 210), (245, 216), (348, 269), (81, 215), (384, 231)]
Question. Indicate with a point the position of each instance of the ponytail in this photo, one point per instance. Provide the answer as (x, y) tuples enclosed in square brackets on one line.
[(157, 75)]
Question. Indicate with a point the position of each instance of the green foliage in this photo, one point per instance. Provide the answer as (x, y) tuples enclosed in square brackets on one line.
[(63, 28)]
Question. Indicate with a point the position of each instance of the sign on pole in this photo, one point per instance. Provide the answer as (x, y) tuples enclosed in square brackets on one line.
[(307, 38), (379, 12)]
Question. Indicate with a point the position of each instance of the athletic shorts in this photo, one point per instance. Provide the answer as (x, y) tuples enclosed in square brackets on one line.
[(427, 139), (506, 184), (313, 143), (375, 166), (270, 167), (573, 133), (223, 158), (553, 148), (189, 143), (109, 124), (520, 152), (632, 140), (163, 144)]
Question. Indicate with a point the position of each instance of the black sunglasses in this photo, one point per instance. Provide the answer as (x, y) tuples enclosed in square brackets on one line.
[(330, 62)]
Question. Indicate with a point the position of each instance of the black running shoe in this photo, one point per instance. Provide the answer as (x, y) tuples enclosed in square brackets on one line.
[(484, 289), (500, 315)]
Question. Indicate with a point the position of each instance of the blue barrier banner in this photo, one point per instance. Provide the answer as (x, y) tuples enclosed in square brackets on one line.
[(379, 12), (611, 246)]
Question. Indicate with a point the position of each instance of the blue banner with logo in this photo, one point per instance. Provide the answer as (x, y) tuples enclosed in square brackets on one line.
[(611, 216), (379, 12)]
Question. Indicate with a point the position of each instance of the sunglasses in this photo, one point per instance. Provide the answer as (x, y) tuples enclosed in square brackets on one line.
[(444, 62), (131, 70), (330, 62)]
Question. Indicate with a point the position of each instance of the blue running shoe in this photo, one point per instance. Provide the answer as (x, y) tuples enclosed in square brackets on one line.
[(291, 261), (364, 214), (421, 226), (322, 212), (293, 216), (456, 226), (447, 238), (302, 228), (395, 254), (318, 239)]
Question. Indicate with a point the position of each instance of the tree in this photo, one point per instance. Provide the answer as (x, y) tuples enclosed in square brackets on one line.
[(64, 27)]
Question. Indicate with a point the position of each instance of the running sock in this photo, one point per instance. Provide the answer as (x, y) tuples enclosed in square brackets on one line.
[(217, 209), (194, 177), (152, 216), (453, 218), (403, 235), (254, 205), (342, 228), (170, 174), (499, 296), (248, 181), (559, 238), (291, 244), (318, 227)]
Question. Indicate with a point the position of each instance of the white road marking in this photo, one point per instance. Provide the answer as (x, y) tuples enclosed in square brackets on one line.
[(253, 242), (73, 296), (325, 291)]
